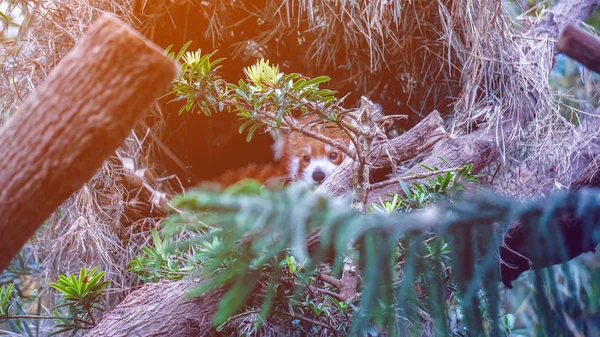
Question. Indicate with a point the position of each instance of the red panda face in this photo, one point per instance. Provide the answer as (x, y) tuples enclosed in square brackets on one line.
[(310, 160)]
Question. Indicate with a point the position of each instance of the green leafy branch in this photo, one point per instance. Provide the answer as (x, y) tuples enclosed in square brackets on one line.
[(261, 229), (266, 99), (82, 295), (160, 262), (431, 186)]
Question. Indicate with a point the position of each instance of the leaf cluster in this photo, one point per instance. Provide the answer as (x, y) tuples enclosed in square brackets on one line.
[(159, 262), (262, 229), (272, 95), (266, 98), (421, 194), (199, 84), (81, 295)]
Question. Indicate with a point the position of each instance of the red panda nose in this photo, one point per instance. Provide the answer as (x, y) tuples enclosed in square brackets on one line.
[(318, 175)]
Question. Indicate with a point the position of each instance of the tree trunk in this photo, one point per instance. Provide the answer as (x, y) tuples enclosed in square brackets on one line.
[(75, 119)]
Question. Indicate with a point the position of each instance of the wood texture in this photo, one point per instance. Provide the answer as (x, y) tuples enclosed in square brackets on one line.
[(76, 118), (581, 46), (160, 309)]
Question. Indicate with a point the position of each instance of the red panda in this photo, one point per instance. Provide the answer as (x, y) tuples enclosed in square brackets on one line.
[(297, 158)]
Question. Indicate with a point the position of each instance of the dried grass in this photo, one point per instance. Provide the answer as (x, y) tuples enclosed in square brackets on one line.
[(486, 63)]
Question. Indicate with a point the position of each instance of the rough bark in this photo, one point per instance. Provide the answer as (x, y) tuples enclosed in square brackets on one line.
[(475, 148), (160, 309), (76, 118)]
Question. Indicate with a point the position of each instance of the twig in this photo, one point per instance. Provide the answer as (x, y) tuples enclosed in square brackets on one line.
[(332, 294), (47, 317), (245, 313), (331, 280), (340, 146)]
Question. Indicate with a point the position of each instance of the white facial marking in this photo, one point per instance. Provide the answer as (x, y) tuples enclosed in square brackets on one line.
[(277, 149), (278, 145), (327, 147), (293, 167), (319, 163), (308, 149)]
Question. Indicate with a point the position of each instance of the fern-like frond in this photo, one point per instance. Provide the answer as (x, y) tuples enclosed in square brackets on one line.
[(260, 229)]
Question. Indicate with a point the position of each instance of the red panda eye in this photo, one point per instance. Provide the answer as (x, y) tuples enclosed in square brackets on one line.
[(306, 158), (333, 155)]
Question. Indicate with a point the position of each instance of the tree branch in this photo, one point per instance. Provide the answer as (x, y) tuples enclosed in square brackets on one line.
[(160, 309), (75, 119)]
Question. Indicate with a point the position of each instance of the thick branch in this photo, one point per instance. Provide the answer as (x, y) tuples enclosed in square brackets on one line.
[(160, 309), (581, 46), (76, 118)]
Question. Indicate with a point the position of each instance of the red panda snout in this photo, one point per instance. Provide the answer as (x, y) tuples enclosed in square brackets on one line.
[(314, 163), (307, 159)]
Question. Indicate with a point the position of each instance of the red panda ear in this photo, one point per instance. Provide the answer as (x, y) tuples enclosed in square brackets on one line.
[(280, 138)]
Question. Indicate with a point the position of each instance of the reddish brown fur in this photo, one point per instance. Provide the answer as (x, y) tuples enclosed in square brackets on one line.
[(291, 145), (269, 173)]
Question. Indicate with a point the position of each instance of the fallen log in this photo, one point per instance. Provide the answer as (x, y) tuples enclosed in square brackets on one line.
[(76, 118)]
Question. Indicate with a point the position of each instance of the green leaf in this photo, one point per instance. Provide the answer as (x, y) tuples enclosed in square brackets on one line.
[(182, 51), (317, 80), (404, 187), (299, 84), (252, 130), (245, 125)]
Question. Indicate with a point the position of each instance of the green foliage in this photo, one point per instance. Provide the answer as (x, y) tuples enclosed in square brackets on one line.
[(5, 293), (219, 256), (269, 90), (158, 262), (263, 230), (252, 222), (81, 295), (199, 83), (260, 100), (421, 194)]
